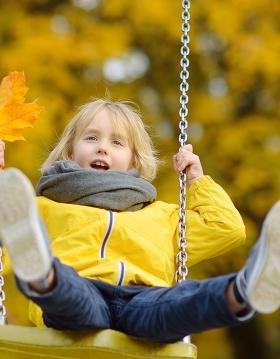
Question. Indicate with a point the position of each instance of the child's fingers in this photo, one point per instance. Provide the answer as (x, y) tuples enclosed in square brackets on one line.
[(187, 147), (181, 161), (185, 151), (185, 154), (186, 162), (184, 158), (175, 162)]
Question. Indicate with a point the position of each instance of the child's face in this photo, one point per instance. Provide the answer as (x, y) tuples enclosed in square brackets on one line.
[(99, 148)]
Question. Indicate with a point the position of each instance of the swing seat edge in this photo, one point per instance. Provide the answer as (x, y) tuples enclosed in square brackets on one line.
[(18, 342)]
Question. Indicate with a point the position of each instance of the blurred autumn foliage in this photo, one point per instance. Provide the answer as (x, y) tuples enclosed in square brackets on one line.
[(72, 51)]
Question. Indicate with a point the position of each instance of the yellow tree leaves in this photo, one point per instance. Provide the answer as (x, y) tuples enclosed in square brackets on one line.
[(15, 113)]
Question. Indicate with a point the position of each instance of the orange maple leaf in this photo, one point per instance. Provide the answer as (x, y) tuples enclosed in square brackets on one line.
[(15, 114)]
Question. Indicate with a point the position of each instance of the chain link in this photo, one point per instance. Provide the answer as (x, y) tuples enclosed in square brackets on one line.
[(2, 293), (182, 257)]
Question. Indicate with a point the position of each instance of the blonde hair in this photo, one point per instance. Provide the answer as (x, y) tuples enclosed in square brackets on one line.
[(124, 115)]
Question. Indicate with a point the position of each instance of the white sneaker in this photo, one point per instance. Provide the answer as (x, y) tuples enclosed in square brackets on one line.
[(21, 231), (258, 282)]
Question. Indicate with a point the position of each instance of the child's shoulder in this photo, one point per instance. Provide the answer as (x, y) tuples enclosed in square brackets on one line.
[(161, 206), (44, 202)]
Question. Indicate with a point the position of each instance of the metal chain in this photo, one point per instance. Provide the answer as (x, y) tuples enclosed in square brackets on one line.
[(182, 257), (2, 293)]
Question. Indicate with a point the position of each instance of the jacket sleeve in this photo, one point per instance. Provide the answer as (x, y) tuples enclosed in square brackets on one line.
[(214, 226)]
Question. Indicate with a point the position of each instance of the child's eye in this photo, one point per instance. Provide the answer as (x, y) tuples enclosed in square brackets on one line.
[(91, 138), (117, 142)]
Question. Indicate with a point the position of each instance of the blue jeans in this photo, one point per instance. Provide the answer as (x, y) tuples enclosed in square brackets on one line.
[(162, 314)]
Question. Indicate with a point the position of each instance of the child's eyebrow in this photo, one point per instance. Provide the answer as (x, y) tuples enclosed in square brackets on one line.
[(119, 136), (90, 130)]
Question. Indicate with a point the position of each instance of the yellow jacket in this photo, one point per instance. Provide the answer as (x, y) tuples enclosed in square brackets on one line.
[(140, 247)]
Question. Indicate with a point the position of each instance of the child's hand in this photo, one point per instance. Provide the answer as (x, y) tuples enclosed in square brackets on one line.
[(186, 160), (2, 158)]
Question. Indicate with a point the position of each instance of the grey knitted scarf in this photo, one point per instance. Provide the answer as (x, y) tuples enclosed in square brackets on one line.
[(67, 182)]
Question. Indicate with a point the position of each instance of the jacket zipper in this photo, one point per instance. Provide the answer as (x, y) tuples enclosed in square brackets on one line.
[(104, 245), (107, 234), (121, 273)]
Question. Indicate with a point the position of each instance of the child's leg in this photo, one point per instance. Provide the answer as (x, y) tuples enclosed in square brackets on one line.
[(168, 314), (69, 301), (258, 283), (74, 302)]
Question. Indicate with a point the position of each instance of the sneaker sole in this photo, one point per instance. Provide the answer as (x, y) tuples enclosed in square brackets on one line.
[(20, 230), (264, 284)]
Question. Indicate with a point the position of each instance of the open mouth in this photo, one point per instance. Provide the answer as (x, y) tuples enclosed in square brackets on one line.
[(99, 165)]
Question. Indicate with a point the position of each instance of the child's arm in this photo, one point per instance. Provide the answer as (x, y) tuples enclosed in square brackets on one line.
[(185, 159), (214, 225), (2, 158)]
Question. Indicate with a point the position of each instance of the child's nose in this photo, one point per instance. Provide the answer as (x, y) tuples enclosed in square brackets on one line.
[(103, 147), (102, 150)]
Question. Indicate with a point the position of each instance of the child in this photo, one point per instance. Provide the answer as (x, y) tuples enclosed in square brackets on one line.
[(115, 245)]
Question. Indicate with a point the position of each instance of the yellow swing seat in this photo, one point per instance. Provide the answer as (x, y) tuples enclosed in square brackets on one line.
[(18, 342)]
